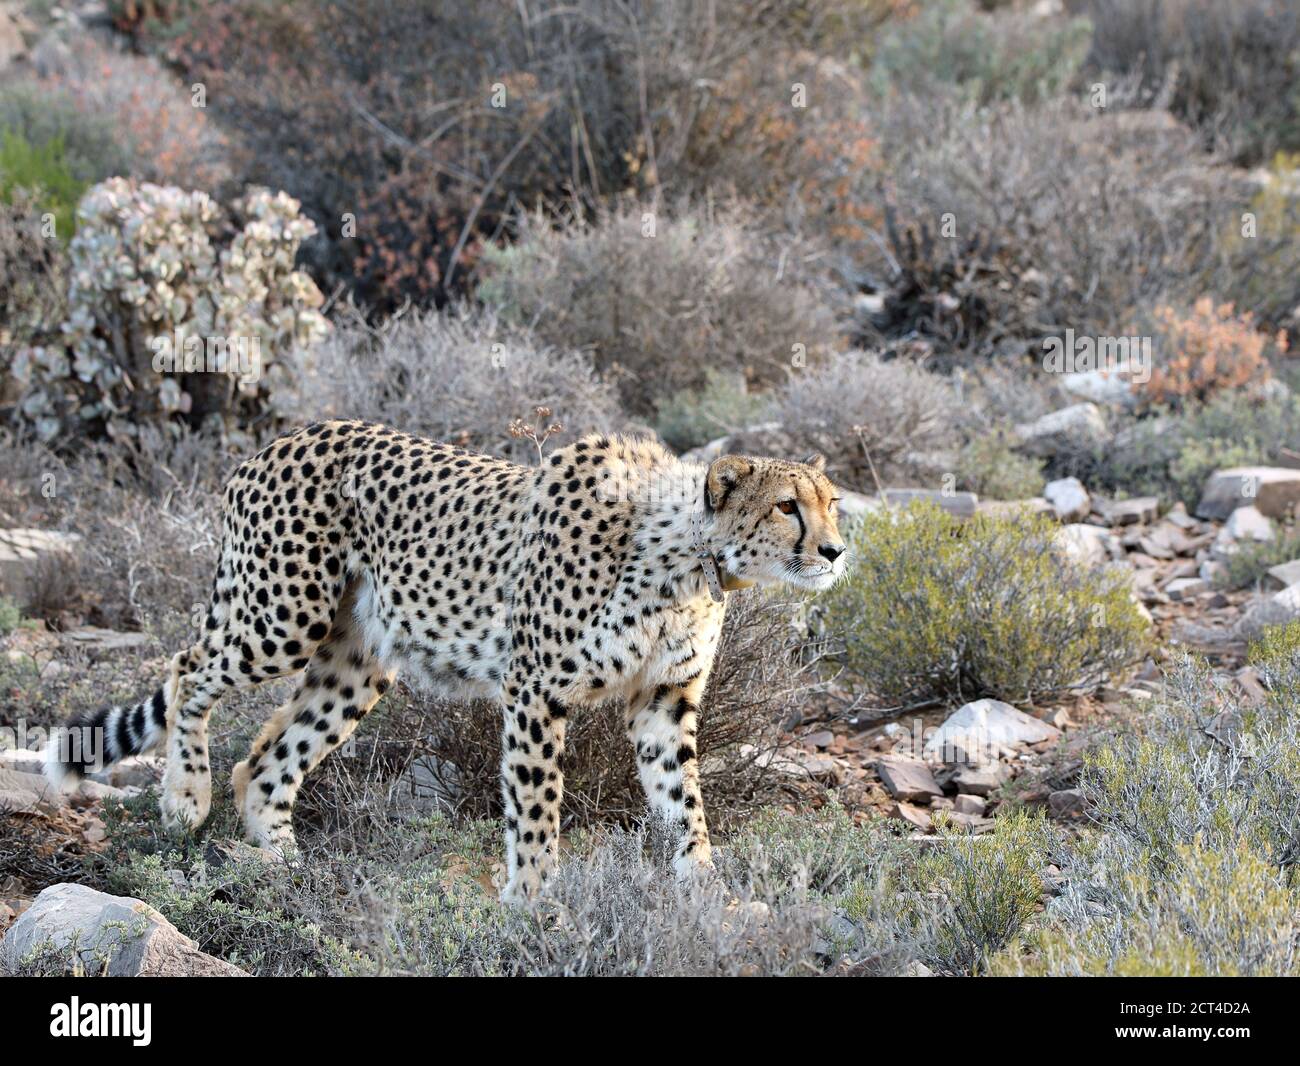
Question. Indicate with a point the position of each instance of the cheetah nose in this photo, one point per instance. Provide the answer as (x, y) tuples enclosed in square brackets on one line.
[(831, 551)]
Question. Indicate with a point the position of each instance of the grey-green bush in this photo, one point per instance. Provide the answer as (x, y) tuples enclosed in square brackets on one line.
[(460, 376), (660, 299), (937, 608)]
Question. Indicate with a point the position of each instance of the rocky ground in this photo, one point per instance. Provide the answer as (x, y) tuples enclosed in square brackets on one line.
[(935, 770)]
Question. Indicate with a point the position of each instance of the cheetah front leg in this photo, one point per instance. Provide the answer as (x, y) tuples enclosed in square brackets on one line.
[(532, 786), (662, 732)]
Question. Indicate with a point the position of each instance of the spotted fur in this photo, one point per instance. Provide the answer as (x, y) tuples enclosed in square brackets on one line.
[(351, 551)]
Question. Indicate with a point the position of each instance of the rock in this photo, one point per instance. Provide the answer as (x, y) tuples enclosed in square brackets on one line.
[(982, 781), (1110, 387), (1211, 570), (972, 823), (1247, 523), (913, 815), (984, 729), (907, 778), (1137, 511), (869, 303), (857, 504), (21, 792), (1010, 508), (24, 553), (94, 640), (1080, 424), (1068, 803), (961, 504), (916, 968), (135, 771), (14, 26), (1173, 538), (1275, 610), (115, 935), (1089, 546), (1069, 499), (1252, 689), (1284, 575), (1273, 490), (970, 804), (1058, 718), (1178, 515), (1185, 588), (23, 760), (822, 739), (428, 784)]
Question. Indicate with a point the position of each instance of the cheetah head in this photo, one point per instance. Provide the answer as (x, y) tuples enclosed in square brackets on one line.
[(775, 521)]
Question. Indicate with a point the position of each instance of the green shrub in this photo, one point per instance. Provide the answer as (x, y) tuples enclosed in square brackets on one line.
[(992, 883), (43, 170), (11, 616), (940, 609), (1277, 646), (720, 406), (1189, 867), (1171, 453), (985, 57), (1249, 564), (93, 149), (989, 465)]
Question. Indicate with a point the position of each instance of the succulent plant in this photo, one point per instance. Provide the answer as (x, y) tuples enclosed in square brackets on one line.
[(177, 309)]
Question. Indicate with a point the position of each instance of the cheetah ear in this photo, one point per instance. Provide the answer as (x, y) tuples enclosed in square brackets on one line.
[(725, 473), (817, 461)]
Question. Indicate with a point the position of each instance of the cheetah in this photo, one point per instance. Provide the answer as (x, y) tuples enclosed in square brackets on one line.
[(351, 552)]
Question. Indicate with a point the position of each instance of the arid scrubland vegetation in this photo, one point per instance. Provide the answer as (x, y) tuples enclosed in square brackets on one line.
[(1026, 273)]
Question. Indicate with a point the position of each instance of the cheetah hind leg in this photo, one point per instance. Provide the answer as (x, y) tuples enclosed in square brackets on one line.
[(342, 683)]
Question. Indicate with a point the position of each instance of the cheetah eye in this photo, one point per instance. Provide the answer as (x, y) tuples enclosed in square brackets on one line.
[(786, 507)]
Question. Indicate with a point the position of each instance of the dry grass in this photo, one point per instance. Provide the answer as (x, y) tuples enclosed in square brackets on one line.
[(461, 376), (660, 298), (765, 669)]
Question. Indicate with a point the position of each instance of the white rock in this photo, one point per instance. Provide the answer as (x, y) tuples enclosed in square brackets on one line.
[(961, 504), (1080, 423), (1101, 386), (1087, 545), (1247, 523), (23, 553), (857, 504), (1275, 610), (1284, 575), (1185, 588), (1069, 499), (116, 935), (984, 729)]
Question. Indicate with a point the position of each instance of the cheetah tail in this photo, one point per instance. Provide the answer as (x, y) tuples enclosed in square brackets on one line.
[(96, 739)]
